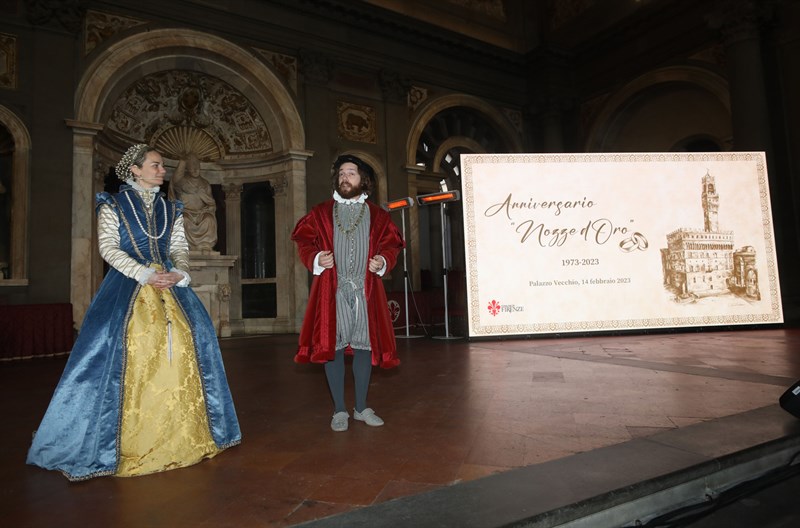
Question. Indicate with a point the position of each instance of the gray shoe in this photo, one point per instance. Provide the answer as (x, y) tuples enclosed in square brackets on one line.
[(368, 416), (340, 421)]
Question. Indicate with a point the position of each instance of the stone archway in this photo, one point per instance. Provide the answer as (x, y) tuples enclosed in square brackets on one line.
[(422, 182), (427, 112), (147, 53), (20, 174), (698, 85)]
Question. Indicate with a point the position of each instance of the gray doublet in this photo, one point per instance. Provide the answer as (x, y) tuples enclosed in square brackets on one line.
[(350, 247)]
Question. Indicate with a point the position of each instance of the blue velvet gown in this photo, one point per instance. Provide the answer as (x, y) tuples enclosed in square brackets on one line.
[(95, 407)]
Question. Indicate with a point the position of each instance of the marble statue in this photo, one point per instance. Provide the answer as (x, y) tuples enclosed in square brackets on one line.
[(200, 221)]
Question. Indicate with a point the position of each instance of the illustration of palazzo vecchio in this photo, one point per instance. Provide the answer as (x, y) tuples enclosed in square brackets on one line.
[(701, 263)]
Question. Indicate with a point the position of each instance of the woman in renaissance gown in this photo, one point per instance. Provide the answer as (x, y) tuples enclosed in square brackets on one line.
[(144, 389)]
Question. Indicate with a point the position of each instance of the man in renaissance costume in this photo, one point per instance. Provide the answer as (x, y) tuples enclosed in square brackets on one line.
[(348, 243)]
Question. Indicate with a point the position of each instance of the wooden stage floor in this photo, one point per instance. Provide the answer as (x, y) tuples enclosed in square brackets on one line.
[(455, 410)]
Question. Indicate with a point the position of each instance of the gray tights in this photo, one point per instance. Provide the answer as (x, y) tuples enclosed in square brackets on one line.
[(362, 368)]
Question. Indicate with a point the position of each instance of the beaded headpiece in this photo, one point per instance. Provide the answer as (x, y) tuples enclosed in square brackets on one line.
[(123, 168)]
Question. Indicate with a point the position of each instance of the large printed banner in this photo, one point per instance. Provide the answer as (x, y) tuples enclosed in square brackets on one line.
[(604, 242)]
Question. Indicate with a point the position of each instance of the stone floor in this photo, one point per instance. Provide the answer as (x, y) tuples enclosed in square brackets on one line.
[(455, 411)]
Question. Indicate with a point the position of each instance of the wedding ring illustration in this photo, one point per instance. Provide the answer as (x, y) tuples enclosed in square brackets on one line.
[(635, 241)]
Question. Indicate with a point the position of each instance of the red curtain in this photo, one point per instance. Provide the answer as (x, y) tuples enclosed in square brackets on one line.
[(33, 330)]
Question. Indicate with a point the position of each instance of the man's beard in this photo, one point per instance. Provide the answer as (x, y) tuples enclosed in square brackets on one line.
[(350, 192)]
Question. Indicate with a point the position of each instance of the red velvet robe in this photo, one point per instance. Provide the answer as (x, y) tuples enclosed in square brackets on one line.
[(314, 233)]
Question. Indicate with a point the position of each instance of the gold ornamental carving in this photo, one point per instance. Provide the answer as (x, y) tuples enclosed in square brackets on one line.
[(356, 122)]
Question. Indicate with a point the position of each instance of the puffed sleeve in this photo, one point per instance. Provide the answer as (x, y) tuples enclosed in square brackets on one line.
[(179, 251)]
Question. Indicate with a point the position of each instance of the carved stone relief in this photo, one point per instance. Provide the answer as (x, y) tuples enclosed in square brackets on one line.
[(67, 13), (393, 85), (99, 27), (284, 65), (8, 61), (175, 102), (416, 96), (279, 186), (356, 122), (315, 67)]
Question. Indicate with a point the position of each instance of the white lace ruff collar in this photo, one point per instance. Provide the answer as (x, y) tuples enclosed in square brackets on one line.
[(361, 199), (141, 190)]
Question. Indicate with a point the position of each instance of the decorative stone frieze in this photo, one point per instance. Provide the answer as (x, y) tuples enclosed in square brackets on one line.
[(8, 61), (284, 65), (279, 186), (393, 85), (356, 122), (99, 27), (416, 96), (177, 106), (315, 67), (66, 13), (739, 20)]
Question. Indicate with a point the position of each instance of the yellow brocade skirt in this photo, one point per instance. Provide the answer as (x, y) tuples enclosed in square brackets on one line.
[(164, 420)]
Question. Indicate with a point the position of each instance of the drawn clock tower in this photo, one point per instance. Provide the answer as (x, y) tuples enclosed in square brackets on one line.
[(710, 205)]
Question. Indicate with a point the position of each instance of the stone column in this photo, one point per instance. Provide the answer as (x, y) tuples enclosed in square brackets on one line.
[(233, 242), (293, 195), (82, 264), (412, 228), (739, 23), (285, 254)]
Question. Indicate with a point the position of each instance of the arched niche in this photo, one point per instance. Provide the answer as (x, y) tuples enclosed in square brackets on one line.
[(423, 181), (20, 176), (685, 100), (429, 110), (117, 67)]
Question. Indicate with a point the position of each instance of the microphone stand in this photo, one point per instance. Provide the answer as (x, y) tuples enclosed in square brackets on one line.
[(405, 275), (444, 275)]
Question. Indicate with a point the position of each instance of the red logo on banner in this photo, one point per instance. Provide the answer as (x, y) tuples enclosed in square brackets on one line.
[(494, 307)]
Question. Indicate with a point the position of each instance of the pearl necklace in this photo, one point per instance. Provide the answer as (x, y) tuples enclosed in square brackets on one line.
[(136, 216)]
